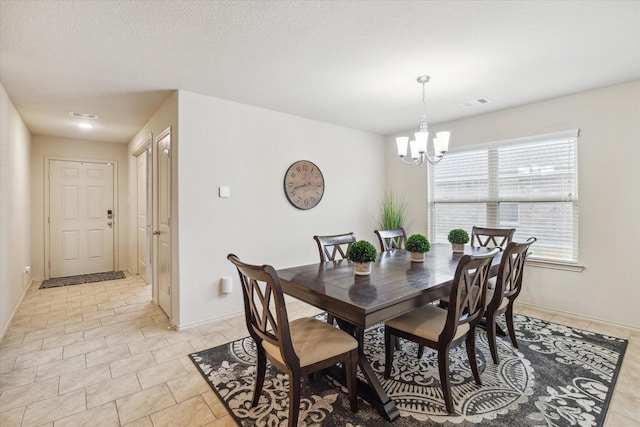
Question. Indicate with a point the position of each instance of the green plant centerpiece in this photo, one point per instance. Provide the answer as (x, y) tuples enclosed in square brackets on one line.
[(458, 237), (417, 244), (362, 253)]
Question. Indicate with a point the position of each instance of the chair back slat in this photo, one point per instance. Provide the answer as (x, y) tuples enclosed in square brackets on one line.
[(391, 239), (491, 237), (334, 247), (509, 280), (468, 292), (265, 309)]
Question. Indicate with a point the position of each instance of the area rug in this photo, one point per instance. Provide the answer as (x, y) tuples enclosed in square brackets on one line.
[(560, 376), (84, 278)]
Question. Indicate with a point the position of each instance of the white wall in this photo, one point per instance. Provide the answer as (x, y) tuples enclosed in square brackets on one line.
[(249, 149), (609, 196), (72, 149), (15, 210)]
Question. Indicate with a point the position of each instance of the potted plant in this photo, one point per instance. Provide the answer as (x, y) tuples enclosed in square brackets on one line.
[(417, 244), (458, 237), (392, 213), (362, 253)]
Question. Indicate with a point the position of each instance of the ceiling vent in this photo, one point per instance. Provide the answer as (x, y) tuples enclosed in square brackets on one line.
[(84, 116), (475, 102)]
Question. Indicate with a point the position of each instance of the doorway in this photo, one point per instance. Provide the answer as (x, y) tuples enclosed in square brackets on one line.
[(162, 219)]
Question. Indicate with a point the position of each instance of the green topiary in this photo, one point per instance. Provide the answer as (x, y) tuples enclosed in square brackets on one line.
[(362, 251), (458, 235), (418, 243)]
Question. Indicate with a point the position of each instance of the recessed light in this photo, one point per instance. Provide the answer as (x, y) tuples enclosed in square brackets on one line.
[(85, 125)]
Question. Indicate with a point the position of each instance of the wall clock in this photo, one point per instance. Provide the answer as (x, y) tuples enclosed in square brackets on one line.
[(303, 184)]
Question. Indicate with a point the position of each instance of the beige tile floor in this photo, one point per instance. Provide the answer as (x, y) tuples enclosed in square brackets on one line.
[(104, 354)]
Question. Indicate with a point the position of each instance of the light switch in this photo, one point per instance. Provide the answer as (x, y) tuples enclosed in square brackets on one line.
[(224, 191)]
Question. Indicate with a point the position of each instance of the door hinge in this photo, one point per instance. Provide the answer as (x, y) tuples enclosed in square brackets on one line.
[(48, 220)]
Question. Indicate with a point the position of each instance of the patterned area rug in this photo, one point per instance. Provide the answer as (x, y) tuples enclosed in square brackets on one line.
[(560, 376), (84, 278)]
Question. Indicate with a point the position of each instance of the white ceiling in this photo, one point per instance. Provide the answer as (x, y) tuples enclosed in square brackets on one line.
[(352, 63)]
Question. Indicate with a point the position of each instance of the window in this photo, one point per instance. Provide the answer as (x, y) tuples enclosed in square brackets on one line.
[(529, 184)]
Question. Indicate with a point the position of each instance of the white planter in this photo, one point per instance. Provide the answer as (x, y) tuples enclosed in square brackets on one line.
[(417, 256), (362, 268), (457, 247)]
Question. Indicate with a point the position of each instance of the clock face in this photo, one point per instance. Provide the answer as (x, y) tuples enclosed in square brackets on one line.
[(304, 184)]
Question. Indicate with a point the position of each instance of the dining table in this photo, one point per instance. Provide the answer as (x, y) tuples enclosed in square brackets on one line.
[(395, 286)]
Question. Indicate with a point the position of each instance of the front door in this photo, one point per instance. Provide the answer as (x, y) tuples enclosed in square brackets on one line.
[(162, 220), (81, 217)]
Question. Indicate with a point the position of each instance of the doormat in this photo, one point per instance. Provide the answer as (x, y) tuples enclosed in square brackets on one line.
[(83, 278), (560, 376)]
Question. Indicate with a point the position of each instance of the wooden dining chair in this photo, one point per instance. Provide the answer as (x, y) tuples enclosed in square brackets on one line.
[(442, 329), (491, 237), (391, 239), (508, 286), (297, 348), (334, 247)]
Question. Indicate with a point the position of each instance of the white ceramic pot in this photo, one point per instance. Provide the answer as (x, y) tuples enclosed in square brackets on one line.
[(417, 256), (362, 268), (458, 247)]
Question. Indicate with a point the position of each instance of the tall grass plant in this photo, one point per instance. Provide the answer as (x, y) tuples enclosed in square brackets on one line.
[(393, 211)]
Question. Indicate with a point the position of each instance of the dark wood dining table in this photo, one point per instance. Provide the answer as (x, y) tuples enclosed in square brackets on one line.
[(395, 286)]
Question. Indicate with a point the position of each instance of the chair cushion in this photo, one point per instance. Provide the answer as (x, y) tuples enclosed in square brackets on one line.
[(314, 341), (427, 322), (503, 303), (491, 282)]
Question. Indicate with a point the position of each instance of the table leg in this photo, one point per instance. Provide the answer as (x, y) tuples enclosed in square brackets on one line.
[(371, 390)]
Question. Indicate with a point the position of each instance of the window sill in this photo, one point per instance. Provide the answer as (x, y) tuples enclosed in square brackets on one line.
[(555, 265)]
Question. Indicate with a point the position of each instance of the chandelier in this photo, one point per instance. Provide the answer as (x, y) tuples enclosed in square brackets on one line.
[(418, 146)]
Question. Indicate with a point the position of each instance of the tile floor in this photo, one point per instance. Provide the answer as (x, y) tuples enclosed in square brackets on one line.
[(103, 354)]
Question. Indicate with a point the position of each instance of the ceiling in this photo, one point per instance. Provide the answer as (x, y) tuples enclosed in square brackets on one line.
[(351, 63)]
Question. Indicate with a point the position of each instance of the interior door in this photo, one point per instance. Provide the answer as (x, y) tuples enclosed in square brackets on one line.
[(162, 220), (143, 225), (81, 218)]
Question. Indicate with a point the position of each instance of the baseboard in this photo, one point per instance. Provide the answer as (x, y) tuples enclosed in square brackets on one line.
[(25, 289), (578, 316), (185, 326)]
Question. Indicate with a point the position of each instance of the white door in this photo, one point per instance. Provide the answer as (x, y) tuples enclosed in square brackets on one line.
[(162, 220), (142, 215), (81, 217)]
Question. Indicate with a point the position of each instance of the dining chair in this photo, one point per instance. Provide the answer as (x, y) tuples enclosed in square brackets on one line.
[(491, 237), (391, 239), (508, 286), (441, 329), (334, 247), (297, 348)]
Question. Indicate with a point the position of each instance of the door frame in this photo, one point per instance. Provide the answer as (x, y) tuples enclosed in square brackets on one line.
[(47, 213), (147, 147)]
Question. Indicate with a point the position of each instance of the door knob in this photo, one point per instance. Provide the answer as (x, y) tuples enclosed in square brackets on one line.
[(109, 223), (156, 232)]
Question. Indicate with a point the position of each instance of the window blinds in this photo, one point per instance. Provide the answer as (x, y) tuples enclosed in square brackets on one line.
[(529, 184)]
